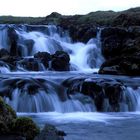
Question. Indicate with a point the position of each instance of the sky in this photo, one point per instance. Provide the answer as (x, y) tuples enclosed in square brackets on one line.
[(42, 8)]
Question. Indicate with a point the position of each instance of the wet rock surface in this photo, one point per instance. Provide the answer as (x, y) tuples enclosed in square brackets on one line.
[(59, 61), (49, 132), (120, 47), (12, 137), (99, 90), (12, 127), (23, 128)]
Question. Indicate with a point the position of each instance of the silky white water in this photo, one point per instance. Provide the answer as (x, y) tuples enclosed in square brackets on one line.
[(83, 57)]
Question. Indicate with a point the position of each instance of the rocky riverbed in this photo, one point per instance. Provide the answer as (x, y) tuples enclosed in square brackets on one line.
[(50, 73)]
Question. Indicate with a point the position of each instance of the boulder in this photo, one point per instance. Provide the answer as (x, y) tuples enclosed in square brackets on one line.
[(100, 90), (134, 30), (12, 137), (30, 64), (31, 86), (7, 115), (49, 132), (3, 53), (60, 61), (121, 48), (25, 127), (126, 19), (112, 41), (13, 38), (83, 33), (44, 57), (10, 60), (13, 128)]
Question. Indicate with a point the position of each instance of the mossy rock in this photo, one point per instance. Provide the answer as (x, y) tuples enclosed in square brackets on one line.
[(24, 126), (9, 123), (7, 114), (3, 128)]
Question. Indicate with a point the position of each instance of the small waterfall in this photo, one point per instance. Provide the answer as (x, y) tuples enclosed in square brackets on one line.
[(4, 37), (46, 102), (26, 93), (133, 98), (29, 40), (4, 68), (45, 98), (46, 95)]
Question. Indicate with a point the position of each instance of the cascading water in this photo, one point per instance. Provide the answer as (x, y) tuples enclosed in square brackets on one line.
[(35, 95), (29, 40), (44, 94), (26, 93)]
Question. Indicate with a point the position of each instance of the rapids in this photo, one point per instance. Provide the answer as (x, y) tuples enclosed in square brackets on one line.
[(66, 99)]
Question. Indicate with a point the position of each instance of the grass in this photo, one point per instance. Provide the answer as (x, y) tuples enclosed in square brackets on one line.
[(94, 18)]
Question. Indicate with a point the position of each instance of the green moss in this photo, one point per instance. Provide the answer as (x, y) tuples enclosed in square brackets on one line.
[(9, 109), (9, 122), (97, 18), (7, 114), (3, 128), (19, 20), (25, 127)]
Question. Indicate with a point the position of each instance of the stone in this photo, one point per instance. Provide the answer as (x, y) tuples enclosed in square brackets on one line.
[(60, 61), (25, 127), (44, 57), (7, 114), (49, 132), (12, 137), (30, 64), (121, 49), (112, 41), (99, 90), (13, 38), (3, 53)]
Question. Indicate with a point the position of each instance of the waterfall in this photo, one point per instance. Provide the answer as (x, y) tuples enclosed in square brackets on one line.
[(133, 98), (3, 37), (43, 90), (46, 97), (26, 40), (46, 102), (48, 94)]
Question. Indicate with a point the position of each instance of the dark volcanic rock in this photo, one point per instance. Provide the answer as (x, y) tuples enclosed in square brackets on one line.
[(12, 137), (3, 53), (25, 127), (13, 37), (49, 132), (13, 128), (122, 66), (30, 64), (60, 61), (112, 41), (10, 60), (126, 19), (7, 115), (82, 33), (121, 48), (100, 90), (45, 57)]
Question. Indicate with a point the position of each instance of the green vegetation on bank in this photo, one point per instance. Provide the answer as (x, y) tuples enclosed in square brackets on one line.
[(10, 124), (20, 20), (98, 18)]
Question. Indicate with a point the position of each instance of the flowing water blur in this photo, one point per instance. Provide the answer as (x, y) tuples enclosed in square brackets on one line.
[(42, 96)]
